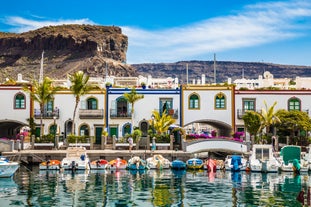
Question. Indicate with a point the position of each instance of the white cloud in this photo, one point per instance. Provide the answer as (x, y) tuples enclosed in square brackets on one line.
[(256, 25), (23, 25)]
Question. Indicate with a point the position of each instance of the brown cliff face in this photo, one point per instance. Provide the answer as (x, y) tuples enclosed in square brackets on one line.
[(67, 48)]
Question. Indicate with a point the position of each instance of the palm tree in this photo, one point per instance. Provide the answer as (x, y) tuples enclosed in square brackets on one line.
[(41, 92), (162, 123), (79, 87), (268, 117), (132, 97)]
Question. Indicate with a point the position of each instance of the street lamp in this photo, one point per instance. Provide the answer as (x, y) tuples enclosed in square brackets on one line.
[(152, 117), (54, 118)]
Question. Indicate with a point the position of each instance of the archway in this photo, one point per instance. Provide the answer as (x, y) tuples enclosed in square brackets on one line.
[(10, 128), (223, 128)]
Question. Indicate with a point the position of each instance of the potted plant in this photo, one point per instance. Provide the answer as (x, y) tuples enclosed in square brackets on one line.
[(143, 85), (108, 85)]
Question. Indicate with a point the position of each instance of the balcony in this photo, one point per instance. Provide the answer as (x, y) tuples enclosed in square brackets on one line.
[(91, 113), (241, 112), (119, 114), (46, 114)]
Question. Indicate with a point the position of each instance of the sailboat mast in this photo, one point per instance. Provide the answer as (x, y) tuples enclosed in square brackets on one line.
[(214, 67)]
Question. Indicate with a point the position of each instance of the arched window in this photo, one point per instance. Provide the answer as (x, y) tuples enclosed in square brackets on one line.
[(53, 129), (84, 130), (19, 102), (91, 103), (122, 109), (294, 104), (220, 101), (194, 101), (126, 129)]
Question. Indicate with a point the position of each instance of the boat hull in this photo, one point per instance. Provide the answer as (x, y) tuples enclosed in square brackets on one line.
[(8, 169)]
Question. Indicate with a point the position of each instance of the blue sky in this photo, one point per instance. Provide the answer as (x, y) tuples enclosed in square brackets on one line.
[(166, 31)]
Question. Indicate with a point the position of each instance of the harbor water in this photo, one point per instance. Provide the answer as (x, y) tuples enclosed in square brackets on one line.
[(32, 187)]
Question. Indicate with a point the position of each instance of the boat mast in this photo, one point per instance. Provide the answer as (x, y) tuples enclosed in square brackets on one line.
[(41, 69)]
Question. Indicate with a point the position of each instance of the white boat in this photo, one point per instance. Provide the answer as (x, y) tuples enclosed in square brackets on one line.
[(307, 157), (262, 159), (289, 155), (236, 163), (76, 159), (7, 168), (158, 162)]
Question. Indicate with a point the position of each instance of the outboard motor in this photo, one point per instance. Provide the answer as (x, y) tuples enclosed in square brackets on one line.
[(73, 165), (296, 167)]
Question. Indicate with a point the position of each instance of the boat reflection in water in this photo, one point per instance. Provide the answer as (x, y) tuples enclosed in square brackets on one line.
[(153, 188)]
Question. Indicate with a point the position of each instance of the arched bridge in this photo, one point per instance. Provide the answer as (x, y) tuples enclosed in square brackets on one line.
[(221, 145)]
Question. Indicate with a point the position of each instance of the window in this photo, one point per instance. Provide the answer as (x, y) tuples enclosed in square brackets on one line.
[(91, 103), (166, 104), (294, 104), (122, 108), (49, 106), (19, 101), (248, 104), (84, 130), (53, 129), (220, 101), (194, 101)]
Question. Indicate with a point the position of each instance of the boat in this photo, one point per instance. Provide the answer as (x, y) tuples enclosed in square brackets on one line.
[(178, 165), (291, 161), (194, 163), (117, 164), (50, 165), (7, 167), (210, 165), (99, 164), (76, 159), (262, 159), (307, 157), (158, 162), (235, 163), (136, 163)]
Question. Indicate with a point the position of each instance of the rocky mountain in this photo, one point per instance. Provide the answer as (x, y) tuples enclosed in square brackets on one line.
[(224, 70), (97, 49), (67, 48)]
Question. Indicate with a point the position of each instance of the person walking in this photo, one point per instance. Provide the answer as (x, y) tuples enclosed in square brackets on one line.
[(130, 140)]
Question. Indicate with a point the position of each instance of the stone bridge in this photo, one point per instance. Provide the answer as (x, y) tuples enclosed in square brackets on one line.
[(219, 145)]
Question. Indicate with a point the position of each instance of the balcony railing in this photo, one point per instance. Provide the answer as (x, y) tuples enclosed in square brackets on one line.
[(241, 112), (46, 114), (119, 114), (91, 113)]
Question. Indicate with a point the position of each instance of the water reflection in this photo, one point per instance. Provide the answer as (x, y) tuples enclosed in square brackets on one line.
[(152, 188)]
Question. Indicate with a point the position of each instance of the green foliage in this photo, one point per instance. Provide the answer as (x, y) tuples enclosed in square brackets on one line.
[(78, 139), (48, 138), (136, 135), (252, 122)]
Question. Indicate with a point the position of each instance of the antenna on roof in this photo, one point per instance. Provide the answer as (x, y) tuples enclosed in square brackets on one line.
[(187, 72), (41, 69), (214, 67)]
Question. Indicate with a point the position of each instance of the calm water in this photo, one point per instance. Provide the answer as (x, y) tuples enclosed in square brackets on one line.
[(150, 188)]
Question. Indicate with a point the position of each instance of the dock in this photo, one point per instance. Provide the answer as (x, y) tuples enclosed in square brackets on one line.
[(37, 156)]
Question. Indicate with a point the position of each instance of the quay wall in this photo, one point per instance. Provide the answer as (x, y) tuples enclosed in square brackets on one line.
[(37, 156)]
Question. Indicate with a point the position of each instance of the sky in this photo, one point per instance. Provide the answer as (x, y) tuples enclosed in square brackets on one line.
[(167, 31)]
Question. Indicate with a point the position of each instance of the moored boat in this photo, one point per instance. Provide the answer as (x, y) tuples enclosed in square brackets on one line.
[(99, 164), (50, 165), (178, 165), (210, 165), (117, 164), (136, 163), (291, 161), (7, 168), (235, 163), (158, 162), (76, 159), (194, 163), (262, 159)]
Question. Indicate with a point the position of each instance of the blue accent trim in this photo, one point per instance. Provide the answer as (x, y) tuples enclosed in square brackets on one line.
[(180, 106)]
